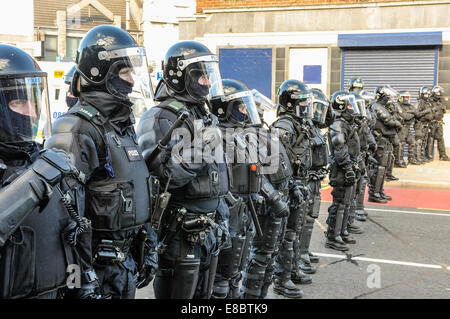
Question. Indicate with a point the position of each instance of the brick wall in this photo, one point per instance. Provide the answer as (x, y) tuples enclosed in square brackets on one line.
[(220, 4)]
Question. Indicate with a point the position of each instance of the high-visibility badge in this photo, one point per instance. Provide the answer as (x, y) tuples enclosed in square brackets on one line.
[(58, 74)]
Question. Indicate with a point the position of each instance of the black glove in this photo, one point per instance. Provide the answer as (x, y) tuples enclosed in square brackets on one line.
[(349, 175), (373, 148), (145, 276)]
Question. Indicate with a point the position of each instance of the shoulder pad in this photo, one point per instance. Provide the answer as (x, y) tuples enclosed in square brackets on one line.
[(285, 124), (174, 106), (65, 124), (87, 111)]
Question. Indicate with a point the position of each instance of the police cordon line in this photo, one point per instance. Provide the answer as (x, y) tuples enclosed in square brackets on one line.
[(202, 198)]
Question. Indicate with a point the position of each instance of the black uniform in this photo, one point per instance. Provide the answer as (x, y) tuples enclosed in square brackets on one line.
[(406, 134), (436, 127), (345, 152), (385, 131), (98, 134), (43, 235), (424, 116)]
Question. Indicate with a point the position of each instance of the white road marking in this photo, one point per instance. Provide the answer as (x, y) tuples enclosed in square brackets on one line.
[(383, 261), (407, 212)]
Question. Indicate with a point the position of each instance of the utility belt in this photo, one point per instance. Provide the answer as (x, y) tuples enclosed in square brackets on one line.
[(195, 226), (110, 251)]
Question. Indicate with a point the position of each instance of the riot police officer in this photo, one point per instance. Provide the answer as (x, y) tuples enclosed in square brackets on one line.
[(345, 148), (197, 185), (238, 117), (295, 127), (98, 134), (368, 145), (385, 130), (322, 117), (436, 126), (42, 232), (424, 116), (71, 100), (406, 134)]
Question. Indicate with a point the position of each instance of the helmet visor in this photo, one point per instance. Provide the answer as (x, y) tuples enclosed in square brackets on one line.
[(129, 75), (263, 103), (369, 97), (350, 103), (203, 80), (362, 107), (320, 109), (390, 92), (404, 99), (243, 108), (24, 109)]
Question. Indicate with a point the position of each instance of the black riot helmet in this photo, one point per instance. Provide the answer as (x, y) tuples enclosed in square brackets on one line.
[(236, 105), (344, 101), (436, 92), (355, 85), (385, 93), (110, 60), (191, 68), (424, 93), (320, 106), (24, 103), (295, 98), (69, 75), (404, 98)]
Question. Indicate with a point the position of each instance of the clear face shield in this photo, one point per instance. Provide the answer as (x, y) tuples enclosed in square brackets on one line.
[(202, 77), (128, 76), (243, 108), (320, 109), (350, 103), (362, 107), (391, 93), (369, 97), (25, 112), (303, 104)]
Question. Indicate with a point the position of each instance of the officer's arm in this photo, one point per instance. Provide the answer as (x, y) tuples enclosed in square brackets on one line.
[(79, 139), (387, 118), (422, 110), (338, 137), (286, 133), (151, 130), (31, 189)]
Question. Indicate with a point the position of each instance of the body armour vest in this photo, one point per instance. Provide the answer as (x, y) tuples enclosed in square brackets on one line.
[(118, 194), (245, 169), (212, 182), (319, 150), (349, 131), (281, 171), (34, 259), (299, 150)]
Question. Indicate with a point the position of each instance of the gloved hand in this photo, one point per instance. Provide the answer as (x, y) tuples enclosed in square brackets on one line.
[(349, 176), (145, 276), (373, 148)]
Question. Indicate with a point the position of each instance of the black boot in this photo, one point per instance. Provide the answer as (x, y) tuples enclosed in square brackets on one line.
[(336, 243), (298, 277), (349, 239), (391, 178), (353, 229), (307, 268), (286, 288), (444, 157), (386, 197), (313, 258), (376, 198)]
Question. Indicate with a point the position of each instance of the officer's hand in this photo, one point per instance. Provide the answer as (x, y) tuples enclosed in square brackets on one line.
[(350, 176), (145, 276), (373, 148)]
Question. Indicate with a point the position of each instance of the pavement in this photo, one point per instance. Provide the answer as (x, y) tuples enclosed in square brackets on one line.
[(403, 252)]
